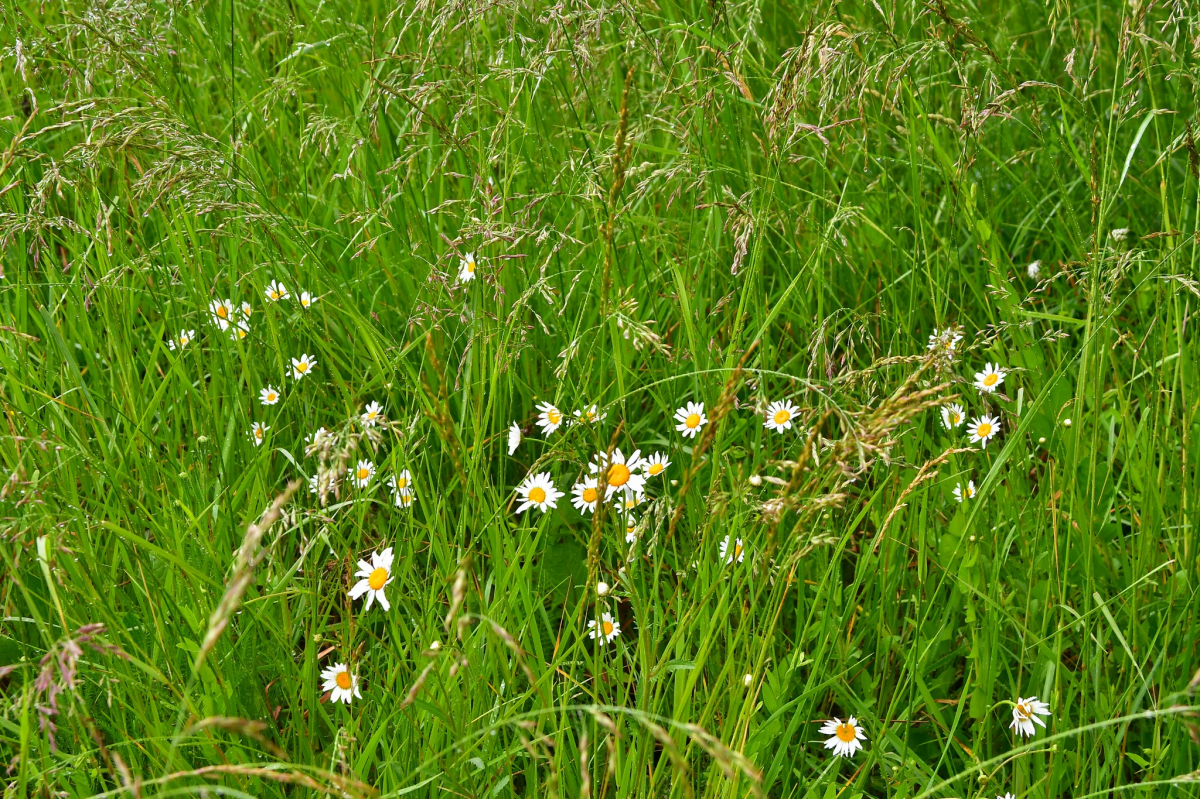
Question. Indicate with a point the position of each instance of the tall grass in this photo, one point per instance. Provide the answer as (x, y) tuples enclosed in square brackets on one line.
[(728, 203)]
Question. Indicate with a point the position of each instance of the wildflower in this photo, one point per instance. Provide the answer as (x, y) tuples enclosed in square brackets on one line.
[(780, 415), (276, 292), (945, 339), (538, 491), (316, 436), (375, 577), (1066, 422), (371, 414), (466, 268), (990, 378), (590, 415), (655, 465), (342, 685), (314, 484), (620, 473), (246, 310), (606, 629), (550, 418), (1025, 713), (846, 737), (403, 501), (435, 645), (514, 438), (691, 418), (302, 365), (258, 431), (239, 330), (268, 396), (952, 416), (1119, 234), (402, 482), (585, 495), (602, 588), (221, 311), (748, 680), (1033, 270), (185, 336), (736, 552), (306, 300), (363, 473), (630, 529), (984, 428), (960, 495), (1007, 795)]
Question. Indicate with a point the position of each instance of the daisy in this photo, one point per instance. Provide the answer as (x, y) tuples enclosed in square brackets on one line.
[(1007, 796), (590, 415), (276, 292), (302, 365), (514, 438), (239, 330), (1025, 713), (630, 529), (246, 309), (538, 491), (371, 414), (621, 474), (306, 300), (268, 396), (632, 501), (550, 418), (375, 577), (403, 500), (342, 685), (363, 473), (952, 416), (780, 415), (960, 495), (586, 495), (655, 465), (1034, 269), (691, 418), (736, 552), (990, 378), (221, 311), (846, 737), (316, 436), (402, 482), (185, 336), (983, 428), (944, 339), (466, 268), (258, 431), (606, 629)]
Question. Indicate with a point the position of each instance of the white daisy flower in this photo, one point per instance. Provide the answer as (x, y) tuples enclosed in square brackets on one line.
[(269, 395), (306, 300), (606, 629), (1034, 269), (342, 685), (514, 438), (258, 432), (371, 414), (550, 418), (655, 465), (538, 491), (846, 737), (732, 549), (185, 338), (590, 415), (960, 495), (621, 473), (585, 495), (246, 310), (315, 436), (221, 312), (1007, 795), (401, 482), (691, 418), (276, 292), (630, 528), (780, 415), (375, 577), (984, 428), (946, 340), (239, 329), (952, 416), (1025, 713), (990, 378), (363, 473), (302, 365), (466, 268), (403, 501)]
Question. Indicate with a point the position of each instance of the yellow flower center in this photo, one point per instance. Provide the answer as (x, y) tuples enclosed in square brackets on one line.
[(302, 366), (363, 474), (955, 418), (846, 732), (270, 396), (607, 626), (984, 430), (590, 495), (304, 303), (222, 311), (656, 468), (343, 680), (258, 434), (537, 494), (693, 421), (737, 551), (401, 482), (553, 417), (782, 415), (618, 475), (991, 379), (1024, 711), (377, 579), (471, 267)]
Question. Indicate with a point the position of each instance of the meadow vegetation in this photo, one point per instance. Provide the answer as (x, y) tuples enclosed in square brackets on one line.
[(290, 285)]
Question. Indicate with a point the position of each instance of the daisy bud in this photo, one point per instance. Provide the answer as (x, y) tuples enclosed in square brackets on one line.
[(602, 588), (1041, 439), (755, 480), (435, 645), (1066, 422), (747, 680)]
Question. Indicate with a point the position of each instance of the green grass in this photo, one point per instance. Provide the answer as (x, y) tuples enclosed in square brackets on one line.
[(731, 203)]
